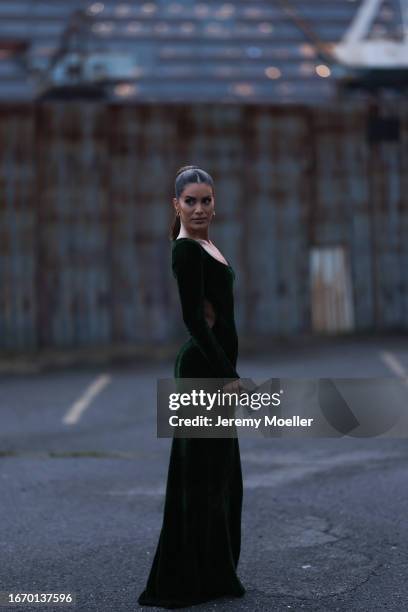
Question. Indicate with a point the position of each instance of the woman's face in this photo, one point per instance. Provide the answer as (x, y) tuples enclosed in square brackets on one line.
[(196, 206)]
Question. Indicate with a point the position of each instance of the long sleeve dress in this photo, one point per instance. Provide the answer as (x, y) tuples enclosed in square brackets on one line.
[(199, 545)]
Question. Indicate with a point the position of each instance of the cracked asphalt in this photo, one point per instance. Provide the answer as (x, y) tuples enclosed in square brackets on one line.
[(324, 524)]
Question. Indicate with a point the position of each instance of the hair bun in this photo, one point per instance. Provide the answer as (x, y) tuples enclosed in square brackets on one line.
[(184, 168)]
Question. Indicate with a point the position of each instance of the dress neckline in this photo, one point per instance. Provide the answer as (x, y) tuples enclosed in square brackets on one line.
[(205, 250)]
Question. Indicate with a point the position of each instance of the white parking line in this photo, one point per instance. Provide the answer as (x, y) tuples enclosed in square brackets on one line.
[(394, 364), (78, 408)]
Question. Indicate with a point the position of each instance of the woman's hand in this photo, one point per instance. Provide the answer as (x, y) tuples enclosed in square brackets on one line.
[(234, 386)]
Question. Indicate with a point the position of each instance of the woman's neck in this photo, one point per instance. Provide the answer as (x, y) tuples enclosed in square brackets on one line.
[(184, 234)]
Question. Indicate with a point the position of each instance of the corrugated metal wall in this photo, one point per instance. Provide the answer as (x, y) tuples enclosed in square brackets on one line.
[(18, 230), (85, 207)]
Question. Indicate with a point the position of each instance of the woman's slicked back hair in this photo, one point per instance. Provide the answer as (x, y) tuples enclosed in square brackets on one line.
[(184, 176)]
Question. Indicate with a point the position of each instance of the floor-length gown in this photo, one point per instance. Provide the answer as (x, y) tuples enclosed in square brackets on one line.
[(199, 544)]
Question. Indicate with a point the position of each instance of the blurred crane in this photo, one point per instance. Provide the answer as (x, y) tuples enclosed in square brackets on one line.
[(79, 69), (375, 61)]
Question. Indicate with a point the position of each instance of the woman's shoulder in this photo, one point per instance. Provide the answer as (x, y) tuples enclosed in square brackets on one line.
[(186, 245), (185, 251), (186, 241)]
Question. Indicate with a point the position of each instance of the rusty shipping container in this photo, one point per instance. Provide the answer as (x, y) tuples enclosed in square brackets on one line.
[(311, 211)]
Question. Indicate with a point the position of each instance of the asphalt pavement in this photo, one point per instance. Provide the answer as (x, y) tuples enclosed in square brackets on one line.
[(83, 479)]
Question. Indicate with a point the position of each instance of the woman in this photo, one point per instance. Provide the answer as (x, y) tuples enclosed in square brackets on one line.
[(199, 544)]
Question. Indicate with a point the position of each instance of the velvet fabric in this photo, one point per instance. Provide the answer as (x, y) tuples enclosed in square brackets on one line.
[(199, 544)]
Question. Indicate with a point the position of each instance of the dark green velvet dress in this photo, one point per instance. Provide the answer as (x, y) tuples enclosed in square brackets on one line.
[(199, 545)]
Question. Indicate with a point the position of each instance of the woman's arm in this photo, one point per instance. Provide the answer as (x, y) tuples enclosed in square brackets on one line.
[(187, 266)]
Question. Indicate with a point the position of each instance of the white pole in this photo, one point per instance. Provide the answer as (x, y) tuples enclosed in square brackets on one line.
[(404, 17), (362, 21)]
